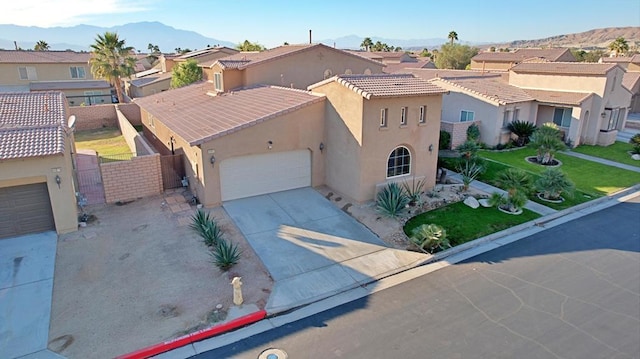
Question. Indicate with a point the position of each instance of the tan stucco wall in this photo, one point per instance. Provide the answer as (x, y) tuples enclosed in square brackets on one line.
[(490, 66), (570, 83), (150, 89), (633, 67), (9, 74), (44, 169), (231, 78)]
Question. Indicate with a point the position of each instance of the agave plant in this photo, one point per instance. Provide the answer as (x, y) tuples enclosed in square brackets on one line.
[(523, 130), (225, 254), (414, 191), (553, 183), (430, 237), (392, 200), (206, 226), (547, 141)]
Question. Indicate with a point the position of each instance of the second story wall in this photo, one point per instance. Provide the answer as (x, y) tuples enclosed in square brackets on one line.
[(25, 73)]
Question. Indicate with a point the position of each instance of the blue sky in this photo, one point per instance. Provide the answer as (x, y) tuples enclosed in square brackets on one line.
[(273, 22)]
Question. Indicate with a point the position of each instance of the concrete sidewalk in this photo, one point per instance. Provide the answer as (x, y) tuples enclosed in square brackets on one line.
[(602, 161)]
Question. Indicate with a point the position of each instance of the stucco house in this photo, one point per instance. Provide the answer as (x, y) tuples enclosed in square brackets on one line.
[(66, 71), (503, 61), (351, 132), (629, 63), (36, 172), (147, 83), (295, 66), (631, 81)]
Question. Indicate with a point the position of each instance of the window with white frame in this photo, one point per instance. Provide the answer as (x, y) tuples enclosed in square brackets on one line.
[(77, 72), (217, 81), (422, 118), (505, 118), (27, 73), (613, 119), (562, 117), (467, 116), (383, 117), (403, 116), (399, 162)]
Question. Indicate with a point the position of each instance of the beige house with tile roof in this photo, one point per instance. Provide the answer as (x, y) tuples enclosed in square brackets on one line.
[(147, 83), (264, 138), (295, 66), (36, 172), (66, 71), (503, 61), (629, 63), (631, 81)]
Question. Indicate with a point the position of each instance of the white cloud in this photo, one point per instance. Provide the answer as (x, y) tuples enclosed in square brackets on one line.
[(47, 13)]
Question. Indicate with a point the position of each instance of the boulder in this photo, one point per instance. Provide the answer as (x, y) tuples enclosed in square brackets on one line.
[(471, 202), (636, 157), (484, 202)]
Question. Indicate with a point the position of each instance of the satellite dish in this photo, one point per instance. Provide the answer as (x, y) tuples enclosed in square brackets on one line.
[(72, 121)]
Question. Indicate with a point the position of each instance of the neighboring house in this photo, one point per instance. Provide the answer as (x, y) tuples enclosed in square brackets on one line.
[(503, 61), (351, 132), (295, 66), (68, 71), (629, 63), (204, 57), (397, 62), (631, 81), (36, 172), (147, 83)]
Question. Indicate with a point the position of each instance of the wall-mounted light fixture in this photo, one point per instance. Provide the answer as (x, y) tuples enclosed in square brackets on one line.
[(431, 148), (270, 144), (212, 160), (321, 146), (603, 115), (58, 180)]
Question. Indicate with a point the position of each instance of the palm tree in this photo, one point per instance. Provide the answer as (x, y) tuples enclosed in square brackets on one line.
[(112, 60), (523, 130), (41, 46), (553, 183), (547, 141), (453, 36), (619, 45), (366, 44), (517, 183)]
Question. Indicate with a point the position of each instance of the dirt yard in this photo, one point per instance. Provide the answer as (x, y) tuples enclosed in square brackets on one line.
[(138, 275)]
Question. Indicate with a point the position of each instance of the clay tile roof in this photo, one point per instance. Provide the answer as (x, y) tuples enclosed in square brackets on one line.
[(404, 67), (151, 79), (630, 80), (197, 115), (32, 124), (428, 74), (520, 55), (245, 59), (635, 59), (621, 59), (563, 68), (491, 88), (28, 57), (559, 97), (386, 85)]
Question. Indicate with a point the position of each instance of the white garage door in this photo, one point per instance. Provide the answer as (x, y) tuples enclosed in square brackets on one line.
[(259, 174)]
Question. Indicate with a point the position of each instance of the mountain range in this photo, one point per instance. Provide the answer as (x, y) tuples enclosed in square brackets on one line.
[(167, 38)]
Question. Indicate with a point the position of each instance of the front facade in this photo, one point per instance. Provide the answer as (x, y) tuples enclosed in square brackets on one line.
[(294, 66), (36, 172), (66, 71)]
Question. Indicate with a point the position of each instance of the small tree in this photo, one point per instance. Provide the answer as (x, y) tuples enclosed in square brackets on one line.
[(473, 133), (186, 73), (445, 140), (523, 130), (41, 46), (468, 149), (619, 46), (547, 141), (635, 141), (111, 60), (453, 36), (553, 183), (250, 46)]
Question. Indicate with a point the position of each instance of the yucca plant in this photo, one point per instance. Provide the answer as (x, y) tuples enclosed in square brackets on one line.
[(553, 183), (414, 191), (225, 254), (547, 141), (430, 237), (523, 131), (392, 200), (469, 169)]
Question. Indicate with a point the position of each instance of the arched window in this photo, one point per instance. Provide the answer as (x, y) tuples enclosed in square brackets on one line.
[(399, 162), (367, 71), (348, 72), (327, 73)]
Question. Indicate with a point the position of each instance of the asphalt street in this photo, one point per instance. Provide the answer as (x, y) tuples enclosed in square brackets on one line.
[(572, 291)]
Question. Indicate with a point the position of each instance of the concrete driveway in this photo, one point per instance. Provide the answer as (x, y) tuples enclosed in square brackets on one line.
[(312, 249), (26, 284)]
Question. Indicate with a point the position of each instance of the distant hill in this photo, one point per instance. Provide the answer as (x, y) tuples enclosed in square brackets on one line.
[(596, 38), (80, 37)]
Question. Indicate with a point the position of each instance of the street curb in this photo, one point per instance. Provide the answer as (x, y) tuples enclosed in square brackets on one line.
[(195, 336)]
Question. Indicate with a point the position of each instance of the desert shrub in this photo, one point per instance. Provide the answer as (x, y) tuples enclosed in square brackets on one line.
[(205, 225), (468, 149), (414, 190), (547, 140), (473, 133), (225, 254), (553, 183), (430, 237), (517, 183), (392, 200), (635, 141), (523, 131), (469, 169), (445, 140)]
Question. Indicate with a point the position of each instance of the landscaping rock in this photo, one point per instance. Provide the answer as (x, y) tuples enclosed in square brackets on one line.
[(472, 202), (484, 202), (636, 157)]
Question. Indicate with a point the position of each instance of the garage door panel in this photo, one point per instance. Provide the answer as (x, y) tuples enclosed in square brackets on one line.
[(25, 209), (260, 174)]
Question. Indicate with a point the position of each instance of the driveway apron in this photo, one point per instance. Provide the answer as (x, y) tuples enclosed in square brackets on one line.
[(311, 248), (26, 284)]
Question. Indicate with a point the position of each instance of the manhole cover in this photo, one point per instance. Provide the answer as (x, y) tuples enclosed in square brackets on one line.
[(273, 354)]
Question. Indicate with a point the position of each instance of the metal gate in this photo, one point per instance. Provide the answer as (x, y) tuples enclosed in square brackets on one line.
[(172, 171), (89, 177)]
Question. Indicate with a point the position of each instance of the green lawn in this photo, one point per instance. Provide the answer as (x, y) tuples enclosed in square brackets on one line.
[(464, 224), (618, 151), (108, 142)]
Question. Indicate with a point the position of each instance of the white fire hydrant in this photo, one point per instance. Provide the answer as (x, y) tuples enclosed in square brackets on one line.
[(237, 291)]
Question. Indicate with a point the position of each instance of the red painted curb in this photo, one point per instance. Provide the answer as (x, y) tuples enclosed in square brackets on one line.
[(195, 336)]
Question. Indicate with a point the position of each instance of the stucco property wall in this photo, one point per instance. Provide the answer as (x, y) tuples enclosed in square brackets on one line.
[(131, 111), (127, 180), (457, 130), (93, 117)]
